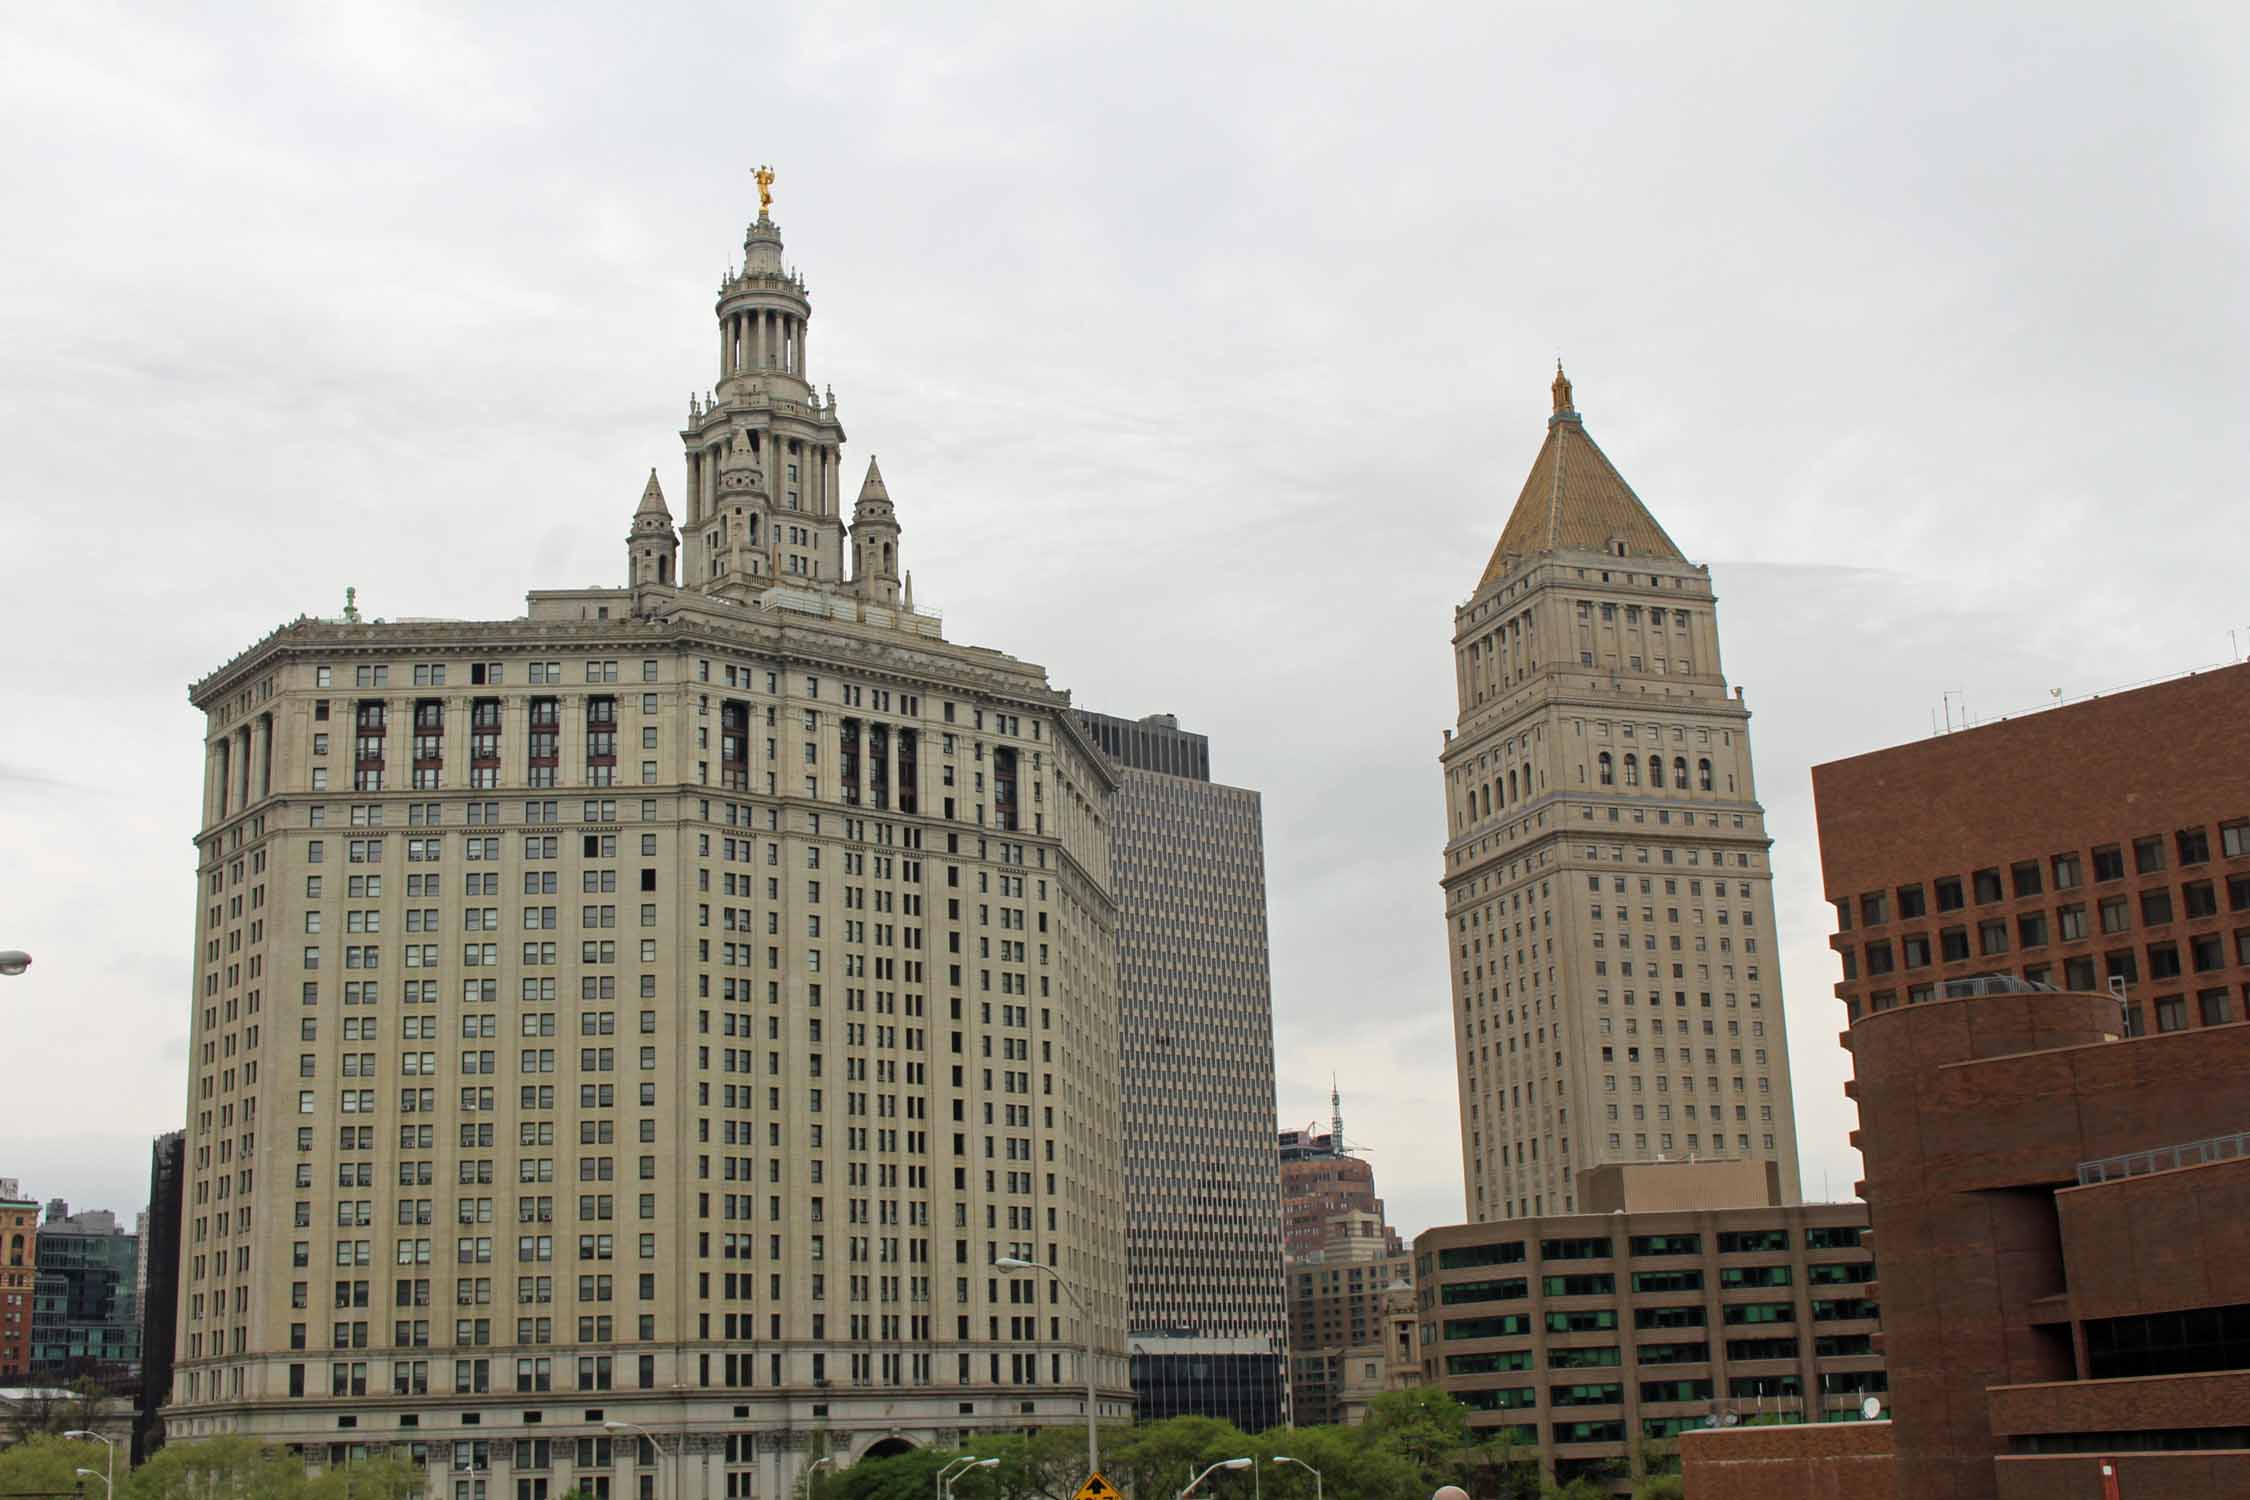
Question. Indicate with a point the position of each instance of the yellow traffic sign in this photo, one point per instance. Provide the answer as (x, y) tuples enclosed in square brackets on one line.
[(1097, 1488)]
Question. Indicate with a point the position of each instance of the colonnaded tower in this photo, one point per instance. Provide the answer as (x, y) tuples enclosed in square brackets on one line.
[(656, 1014), (1608, 887)]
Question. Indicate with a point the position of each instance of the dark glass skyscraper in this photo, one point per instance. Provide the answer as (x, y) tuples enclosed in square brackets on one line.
[(1204, 1276)]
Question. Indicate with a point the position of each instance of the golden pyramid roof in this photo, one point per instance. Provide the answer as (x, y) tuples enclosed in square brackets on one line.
[(1575, 500)]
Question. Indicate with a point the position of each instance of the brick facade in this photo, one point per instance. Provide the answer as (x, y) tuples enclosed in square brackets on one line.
[(2107, 838), (2000, 1268)]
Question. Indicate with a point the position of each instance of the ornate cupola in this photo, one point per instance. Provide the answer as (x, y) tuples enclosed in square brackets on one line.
[(875, 561), (652, 546), (764, 389)]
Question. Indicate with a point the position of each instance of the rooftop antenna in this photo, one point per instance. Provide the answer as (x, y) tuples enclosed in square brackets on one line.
[(1335, 1116)]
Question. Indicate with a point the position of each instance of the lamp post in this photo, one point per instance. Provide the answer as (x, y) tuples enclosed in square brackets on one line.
[(1224, 1463), (633, 1427), (1015, 1267), (1318, 1488), (811, 1469), (81, 1433), (956, 1469), (104, 1478)]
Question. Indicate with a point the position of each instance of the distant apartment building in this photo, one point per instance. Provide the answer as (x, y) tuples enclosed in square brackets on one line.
[(1195, 1018), (2092, 845), (1651, 1311), (85, 1317), (1351, 1323), (1320, 1180), (19, 1270)]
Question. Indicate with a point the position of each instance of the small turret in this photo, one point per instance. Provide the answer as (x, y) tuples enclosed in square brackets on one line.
[(875, 570), (652, 546)]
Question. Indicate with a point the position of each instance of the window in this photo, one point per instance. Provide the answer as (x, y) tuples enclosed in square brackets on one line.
[(2024, 878), (2070, 922), (2194, 846), (2234, 839), (2148, 855), (1949, 894), (2156, 907), (2171, 1013), (1987, 886), (2115, 915), (2066, 871), (2031, 930), (2109, 863), (2213, 1004), (1953, 944), (1911, 902), (1875, 908)]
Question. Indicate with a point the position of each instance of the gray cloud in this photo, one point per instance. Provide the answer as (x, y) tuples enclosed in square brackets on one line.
[(1205, 350)]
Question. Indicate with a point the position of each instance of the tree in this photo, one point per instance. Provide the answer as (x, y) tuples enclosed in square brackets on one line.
[(252, 1470), (46, 1463), (1156, 1459), (1422, 1424)]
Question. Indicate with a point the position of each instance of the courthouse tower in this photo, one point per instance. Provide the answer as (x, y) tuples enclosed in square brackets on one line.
[(1609, 895), (661, 1008)]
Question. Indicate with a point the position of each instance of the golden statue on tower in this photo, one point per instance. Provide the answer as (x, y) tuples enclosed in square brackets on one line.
[(764, 176)]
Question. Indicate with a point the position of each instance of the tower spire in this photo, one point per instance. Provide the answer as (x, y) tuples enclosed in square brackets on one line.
[(1561, 390), (1335, 1116)]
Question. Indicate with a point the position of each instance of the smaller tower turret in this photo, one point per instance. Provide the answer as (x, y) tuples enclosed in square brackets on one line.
[(875, 563), (652, 546)]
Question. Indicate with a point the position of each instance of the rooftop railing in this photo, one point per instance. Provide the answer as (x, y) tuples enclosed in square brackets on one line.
[(2164, 1159)]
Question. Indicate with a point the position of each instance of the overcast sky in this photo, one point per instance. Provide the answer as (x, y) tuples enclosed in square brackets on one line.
[(1205, 350)]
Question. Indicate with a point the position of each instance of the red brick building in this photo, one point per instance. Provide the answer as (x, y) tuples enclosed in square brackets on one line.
[(2108, 839), (2057, 1212)]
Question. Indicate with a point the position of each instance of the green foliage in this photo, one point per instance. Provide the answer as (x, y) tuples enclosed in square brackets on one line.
[(1584, 1487), (250, 1470), (1660, 1487), (48, 1462)]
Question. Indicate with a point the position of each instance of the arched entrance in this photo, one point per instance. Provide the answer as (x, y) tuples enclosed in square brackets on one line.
[(890, 1447)]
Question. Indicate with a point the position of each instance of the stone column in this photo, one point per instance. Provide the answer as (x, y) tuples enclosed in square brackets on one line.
[(242, 767), (217, 781), (804, 361), (757, 339), (726, 347), (890, 769)]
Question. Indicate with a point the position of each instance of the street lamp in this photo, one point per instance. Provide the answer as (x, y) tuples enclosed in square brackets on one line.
[(1014, 1267), (810, 1470), (957, 1468), (1318, 1488), (83, 1434), (14, 961), (615, 1426), (104, 1478), (1224, 1463)]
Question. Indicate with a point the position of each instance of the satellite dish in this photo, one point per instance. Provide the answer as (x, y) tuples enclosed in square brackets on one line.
[(1870, 1409)]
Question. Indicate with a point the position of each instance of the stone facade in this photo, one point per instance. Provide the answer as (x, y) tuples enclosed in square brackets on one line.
[(662, 1008), (1609, 896)]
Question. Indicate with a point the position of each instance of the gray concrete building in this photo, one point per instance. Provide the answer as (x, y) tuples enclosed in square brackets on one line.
[(1608, 881), (627, 1037), (1206, 1293)]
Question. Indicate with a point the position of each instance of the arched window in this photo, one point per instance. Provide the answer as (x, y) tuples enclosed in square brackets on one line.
[(1527, 778), (1679, 772), (1632, 770), (1487, 801), (1656, 770), (1511, 786), (1608, 772), (1703, 773), (886, 557)]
